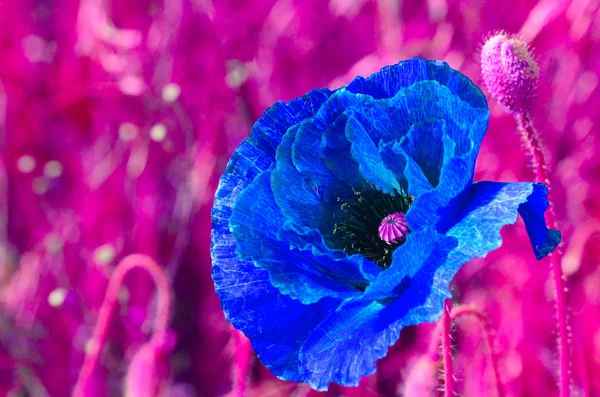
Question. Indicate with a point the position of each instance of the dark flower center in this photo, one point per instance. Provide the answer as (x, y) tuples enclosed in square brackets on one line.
[(372, 224)]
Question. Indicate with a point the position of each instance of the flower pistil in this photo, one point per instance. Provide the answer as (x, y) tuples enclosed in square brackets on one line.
[(366, 221)]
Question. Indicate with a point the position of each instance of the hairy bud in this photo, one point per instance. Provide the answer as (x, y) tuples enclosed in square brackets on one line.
[(510, 72)]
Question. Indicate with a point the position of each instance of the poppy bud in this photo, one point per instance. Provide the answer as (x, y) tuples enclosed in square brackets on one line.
[(510, 72)]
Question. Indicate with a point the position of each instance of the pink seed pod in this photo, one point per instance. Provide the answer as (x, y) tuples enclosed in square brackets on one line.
[(393, 228), (149, 371), (510, 72)]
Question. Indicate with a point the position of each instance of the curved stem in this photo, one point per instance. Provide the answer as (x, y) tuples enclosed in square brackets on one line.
[(107, 309), (460, 311), (447, 349), (532, 140)]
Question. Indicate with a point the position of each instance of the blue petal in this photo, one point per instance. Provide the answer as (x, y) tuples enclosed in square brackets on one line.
[(270, 127), (438, 207), (406, 262), (344, 347), (367, 156), (308, 217), (248, 299), (410, 92), (543, 240), (254, 155), (251, 304), (394, 159), (257, 152), (416, 181), (335, 153), (255, 222), (313, 241), (317, 139), (428, 100), (306, 149), (491, 205), (299, 202), (425, 146), (458, 84), (391, 79), (413, 110)]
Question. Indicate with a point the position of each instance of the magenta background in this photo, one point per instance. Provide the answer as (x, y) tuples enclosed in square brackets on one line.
[(68, 81)]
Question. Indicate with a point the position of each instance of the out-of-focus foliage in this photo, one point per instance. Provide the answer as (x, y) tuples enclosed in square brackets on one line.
[(118, 117)]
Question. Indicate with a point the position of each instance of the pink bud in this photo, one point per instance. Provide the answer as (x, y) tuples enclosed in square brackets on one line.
[(510, 72), (393, 228), (149, 371)]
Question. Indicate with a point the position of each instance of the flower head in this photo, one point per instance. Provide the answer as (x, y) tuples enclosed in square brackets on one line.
[(510, 72), (345, 214)]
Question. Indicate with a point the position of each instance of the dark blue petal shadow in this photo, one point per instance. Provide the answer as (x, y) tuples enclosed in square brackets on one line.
[(335, 152), (394, 158), (543, 240), (424, 144), (366, 154), (255, 222), (300, 203)]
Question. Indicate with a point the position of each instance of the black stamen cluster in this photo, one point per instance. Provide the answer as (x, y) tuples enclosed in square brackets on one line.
[(357, 225)]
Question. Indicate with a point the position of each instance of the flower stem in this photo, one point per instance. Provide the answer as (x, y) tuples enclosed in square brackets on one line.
[(532, 140), (242, 363), (107, 310), (447, 349), (583, 375), (460, 311)]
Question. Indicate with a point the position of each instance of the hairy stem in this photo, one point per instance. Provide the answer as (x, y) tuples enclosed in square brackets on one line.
[(532, 140), (460, 311), (447, 349), (107, 310)]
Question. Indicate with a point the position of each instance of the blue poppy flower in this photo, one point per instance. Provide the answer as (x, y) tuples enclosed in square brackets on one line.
[(344, 215)]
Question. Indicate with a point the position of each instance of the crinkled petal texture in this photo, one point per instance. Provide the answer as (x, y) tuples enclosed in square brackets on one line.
[(312, 312)]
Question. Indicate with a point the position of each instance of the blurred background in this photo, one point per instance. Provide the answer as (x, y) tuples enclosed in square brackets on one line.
[(118, 117)]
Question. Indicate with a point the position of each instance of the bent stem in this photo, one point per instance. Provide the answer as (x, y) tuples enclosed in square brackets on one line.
[(532, 140), (107, 309), (447, 349), (482, 319)]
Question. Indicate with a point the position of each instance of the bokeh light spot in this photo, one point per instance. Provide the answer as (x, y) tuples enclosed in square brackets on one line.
[(158, 132), (53, 169), (128, 132), (57, 297), (104, 254), (26, 164), (170, 92)]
